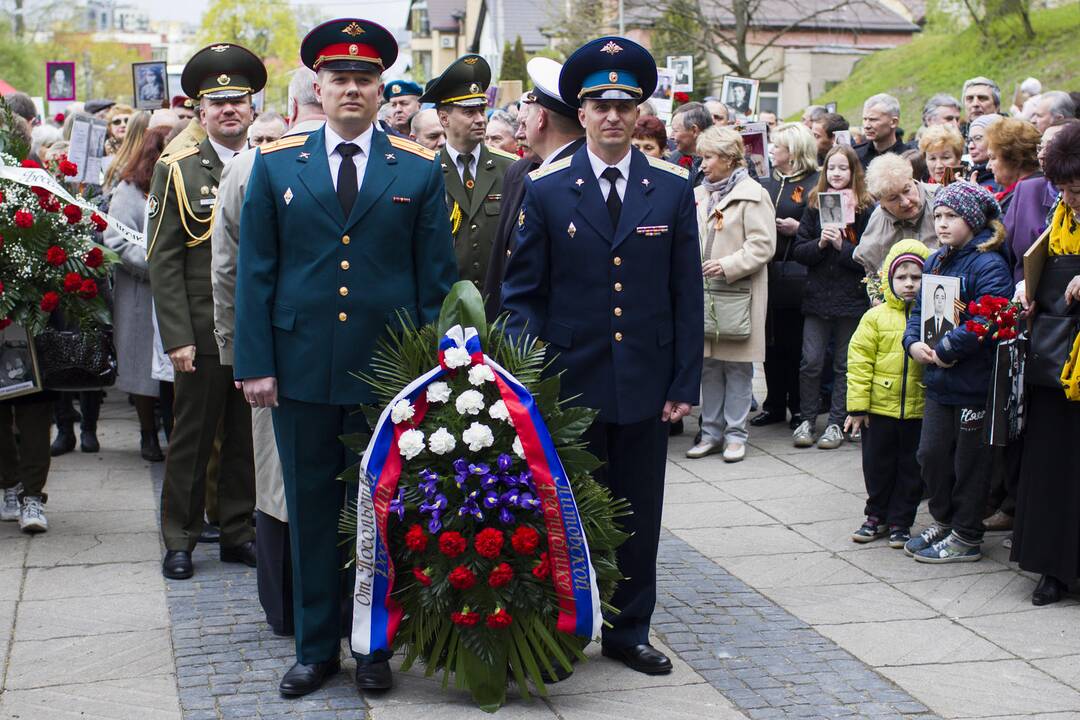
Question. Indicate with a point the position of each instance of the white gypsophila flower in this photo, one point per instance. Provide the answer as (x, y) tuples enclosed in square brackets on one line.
[(456, 357), (480, 374), (478, 437), (441, 441), (438, 392), (499, 411), (519, 450), (411, 444), (403, 410), (470, 402)]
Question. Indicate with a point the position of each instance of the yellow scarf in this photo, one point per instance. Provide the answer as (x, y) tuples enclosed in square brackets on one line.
[(1064, 231)]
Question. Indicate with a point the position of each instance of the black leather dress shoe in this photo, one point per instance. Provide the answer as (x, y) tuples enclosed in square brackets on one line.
[(768, 418), (303, 679), (64, 442), (211, 533), (243, 553), (374, 676), (560, 674), (177, 565), (88, 441), (643, 658), (1048, 591)]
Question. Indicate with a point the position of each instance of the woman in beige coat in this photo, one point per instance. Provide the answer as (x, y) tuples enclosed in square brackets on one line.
[(737, 228)]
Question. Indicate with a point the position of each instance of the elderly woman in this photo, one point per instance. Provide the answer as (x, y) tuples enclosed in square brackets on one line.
[(793, 152), (941, 147), (978, 151), (132, 322), (903, 212), (1046, 536), (737, 228), (1013, 152), (650, 137)]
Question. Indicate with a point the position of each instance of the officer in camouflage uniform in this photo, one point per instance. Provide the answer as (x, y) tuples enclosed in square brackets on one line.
[(180, 209), (472, 171)]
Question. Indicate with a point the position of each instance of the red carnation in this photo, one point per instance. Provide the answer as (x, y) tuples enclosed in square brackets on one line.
[(415, 539), (89, 290), (50, 301), (94, 258), (73, 213), (28, 163), (24, 218), (49, 203), (686, 161), (40, 191), (67, 167), (543, 568), (72, 282), (462, 578), (501, 575), (4, 322), (59, 118), (99, 222), (421, 577), (525, 539), (55, 256), (452, 544), (499, 619), (489, 543), (465, 619), (681, 97)]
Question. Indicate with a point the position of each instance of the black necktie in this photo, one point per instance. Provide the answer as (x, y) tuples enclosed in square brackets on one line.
[(614, 202), (346, 178)]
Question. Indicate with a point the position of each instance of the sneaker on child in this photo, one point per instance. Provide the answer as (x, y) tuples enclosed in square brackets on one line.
[(803, 437), (926, 538), (898, 536), (950, 550), (871, 530), (32, 515), (832, 438), (9, 510)]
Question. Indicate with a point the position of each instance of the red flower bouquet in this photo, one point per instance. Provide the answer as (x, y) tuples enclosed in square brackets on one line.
[(993, 317)]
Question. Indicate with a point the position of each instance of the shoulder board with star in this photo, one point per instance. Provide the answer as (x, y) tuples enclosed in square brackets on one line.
[(410, 147), (502, 153), (179, 155), (289, 141), (669, 167), (552, 168)]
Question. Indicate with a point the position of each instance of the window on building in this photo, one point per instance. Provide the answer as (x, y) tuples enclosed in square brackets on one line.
[(419, 23), (769, 98)]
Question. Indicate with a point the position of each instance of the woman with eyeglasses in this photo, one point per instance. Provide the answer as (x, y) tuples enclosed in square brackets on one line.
[(117, 119)]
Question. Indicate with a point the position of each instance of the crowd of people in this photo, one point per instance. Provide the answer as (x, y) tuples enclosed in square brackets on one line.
[(237, 361)]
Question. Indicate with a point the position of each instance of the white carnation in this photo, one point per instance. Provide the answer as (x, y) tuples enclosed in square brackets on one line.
[(478, 437), (456, 357), (402, 411), (441, 441), (411, 444), (480, 374), (470, 402), (498, 411), (517, 447), (438, 392)]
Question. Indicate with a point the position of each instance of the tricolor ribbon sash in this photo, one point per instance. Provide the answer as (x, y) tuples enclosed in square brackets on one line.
[(376, 615)]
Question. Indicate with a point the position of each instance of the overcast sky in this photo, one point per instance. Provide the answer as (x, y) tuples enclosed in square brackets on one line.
[(390, 13)]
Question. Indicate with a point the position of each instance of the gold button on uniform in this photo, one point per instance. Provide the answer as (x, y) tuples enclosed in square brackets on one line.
[(345, 240), (617, 261), (618, 312), (618, 337), (342, 317), (344, 264), (474, 228), (343, 291), (618, 287)]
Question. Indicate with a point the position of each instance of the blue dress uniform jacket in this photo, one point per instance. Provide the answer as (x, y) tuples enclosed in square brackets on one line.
[(622, 307), (310, 278)]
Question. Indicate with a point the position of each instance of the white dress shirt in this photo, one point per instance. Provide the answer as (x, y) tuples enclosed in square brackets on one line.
[(359, 159), (224, 154), (551, 158), (475, 160), (599, 166)]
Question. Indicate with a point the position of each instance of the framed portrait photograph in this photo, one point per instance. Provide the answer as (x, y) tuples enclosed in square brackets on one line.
[(830, 107), (150, 85), (19, 372), (663, 97), (831, 207), (940, 295), (842, 137), (739, 94), (60, 81), (683, 65), (756, 144)]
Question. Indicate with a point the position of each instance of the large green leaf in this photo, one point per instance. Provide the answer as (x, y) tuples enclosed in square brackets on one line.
[(569, 425), (465, 307), (486, 682)]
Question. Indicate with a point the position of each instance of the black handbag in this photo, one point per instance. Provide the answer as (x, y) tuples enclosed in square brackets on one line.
[(1055, 324), (787, 282), (76, 360)]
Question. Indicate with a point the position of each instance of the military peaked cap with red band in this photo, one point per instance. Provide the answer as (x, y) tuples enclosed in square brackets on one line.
[(349, 44)]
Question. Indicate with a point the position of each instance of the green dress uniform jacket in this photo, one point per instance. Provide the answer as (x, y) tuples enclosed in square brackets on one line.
[(474, 218)]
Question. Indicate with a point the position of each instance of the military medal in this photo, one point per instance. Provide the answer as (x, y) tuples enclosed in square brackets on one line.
[(288, 196), (469, 184), (521, 218)]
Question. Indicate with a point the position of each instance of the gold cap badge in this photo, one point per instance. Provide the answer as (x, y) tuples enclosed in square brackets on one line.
[(471, 60), (353, 49), (395, 89), (611, 48), (353, 29), (474, 88), (219, 48), (613, 76), (223, 79)]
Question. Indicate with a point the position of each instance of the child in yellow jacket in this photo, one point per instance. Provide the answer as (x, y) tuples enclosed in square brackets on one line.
[(885, 398)]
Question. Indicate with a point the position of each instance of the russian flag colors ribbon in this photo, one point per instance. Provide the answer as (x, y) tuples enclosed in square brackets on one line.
[(376, 615)]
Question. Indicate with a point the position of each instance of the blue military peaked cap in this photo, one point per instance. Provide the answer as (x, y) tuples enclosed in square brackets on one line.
[(401, 88), (349, 44), (608, 68)]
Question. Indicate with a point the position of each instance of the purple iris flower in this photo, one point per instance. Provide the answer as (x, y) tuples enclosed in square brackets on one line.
[(491, 500), (398, 504), (435, 506), (471, 507), (505, 461), (479, 469), (430, 484), (528, 502), (505, 516)]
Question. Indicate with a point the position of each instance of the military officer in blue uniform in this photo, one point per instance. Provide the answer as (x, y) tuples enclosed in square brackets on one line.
[(343, 232), (607, 272), (403, 96)]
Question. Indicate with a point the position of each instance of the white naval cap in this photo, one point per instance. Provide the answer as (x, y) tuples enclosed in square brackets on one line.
[(544, 73)]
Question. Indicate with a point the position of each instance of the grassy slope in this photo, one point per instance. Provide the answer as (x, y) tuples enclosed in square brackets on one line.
[(940, 62)]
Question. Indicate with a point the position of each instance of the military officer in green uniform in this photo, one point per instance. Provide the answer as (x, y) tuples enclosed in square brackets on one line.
[(473, 172), (180, 209)]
